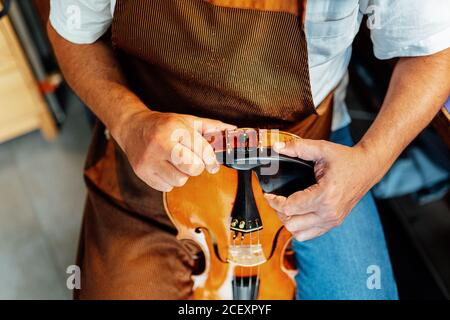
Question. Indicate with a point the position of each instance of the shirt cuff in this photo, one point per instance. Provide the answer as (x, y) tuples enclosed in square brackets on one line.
[(75, 36), (437, 42)]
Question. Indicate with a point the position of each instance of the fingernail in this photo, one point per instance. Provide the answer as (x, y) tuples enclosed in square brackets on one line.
[(210, 159), (183, 181), (214, 170)]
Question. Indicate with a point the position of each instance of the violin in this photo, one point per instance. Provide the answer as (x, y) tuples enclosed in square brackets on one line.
[(245, 249)]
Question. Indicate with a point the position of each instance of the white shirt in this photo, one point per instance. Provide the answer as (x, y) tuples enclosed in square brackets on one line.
[(398, 28)]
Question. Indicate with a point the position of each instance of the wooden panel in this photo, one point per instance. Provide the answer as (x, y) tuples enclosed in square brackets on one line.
[(3, 43), (6, 58), (2, 40), (16, 99), (22, 107), (18, 127)]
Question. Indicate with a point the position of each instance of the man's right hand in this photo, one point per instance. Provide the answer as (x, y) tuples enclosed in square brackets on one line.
[(165, 149), (152, 141)]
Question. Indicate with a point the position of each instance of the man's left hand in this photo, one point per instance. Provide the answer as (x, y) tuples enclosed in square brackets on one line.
[(344, 175)]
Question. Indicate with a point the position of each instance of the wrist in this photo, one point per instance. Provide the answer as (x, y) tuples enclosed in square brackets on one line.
[(376, 157), (122, 122)]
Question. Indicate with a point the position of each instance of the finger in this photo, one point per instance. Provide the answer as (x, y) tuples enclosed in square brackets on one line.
[(306, 149), (200, 146), (185, 160), (276, 202), (156, 182), (194, 141), (302, 202), (298, 203), (301, 223), (209, 125), (309, 234), (171, 175), (208, 155), (283, 217)]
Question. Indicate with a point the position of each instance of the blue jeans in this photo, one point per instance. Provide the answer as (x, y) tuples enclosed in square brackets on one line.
[(350, 261), (425, 165)]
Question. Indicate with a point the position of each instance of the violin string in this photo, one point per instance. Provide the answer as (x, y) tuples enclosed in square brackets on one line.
[(234, 234), (234, 284), (258, 270), (241, 268), (251, 269)]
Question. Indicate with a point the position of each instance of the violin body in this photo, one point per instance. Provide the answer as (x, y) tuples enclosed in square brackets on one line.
[(255, 265)]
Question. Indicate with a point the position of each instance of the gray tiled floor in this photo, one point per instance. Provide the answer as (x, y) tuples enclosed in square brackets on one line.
[(41, 202)]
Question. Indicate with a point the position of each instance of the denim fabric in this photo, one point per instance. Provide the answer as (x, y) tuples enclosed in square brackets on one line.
[(424, 166), (341, 263)]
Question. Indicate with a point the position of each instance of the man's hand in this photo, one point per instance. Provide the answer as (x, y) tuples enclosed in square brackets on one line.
[(165, 149), (344, 175), (418, 88)]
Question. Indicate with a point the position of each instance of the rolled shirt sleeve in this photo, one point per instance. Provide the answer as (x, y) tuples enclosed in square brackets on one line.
[(81, 21), (405, 28)]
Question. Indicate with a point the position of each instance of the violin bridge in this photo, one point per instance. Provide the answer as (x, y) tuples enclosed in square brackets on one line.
[(246, 255)]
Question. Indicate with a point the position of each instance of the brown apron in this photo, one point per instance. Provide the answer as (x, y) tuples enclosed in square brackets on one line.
[(244, 62)]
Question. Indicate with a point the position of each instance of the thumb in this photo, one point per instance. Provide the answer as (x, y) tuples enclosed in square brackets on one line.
[(306, 149), (210, 125)]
